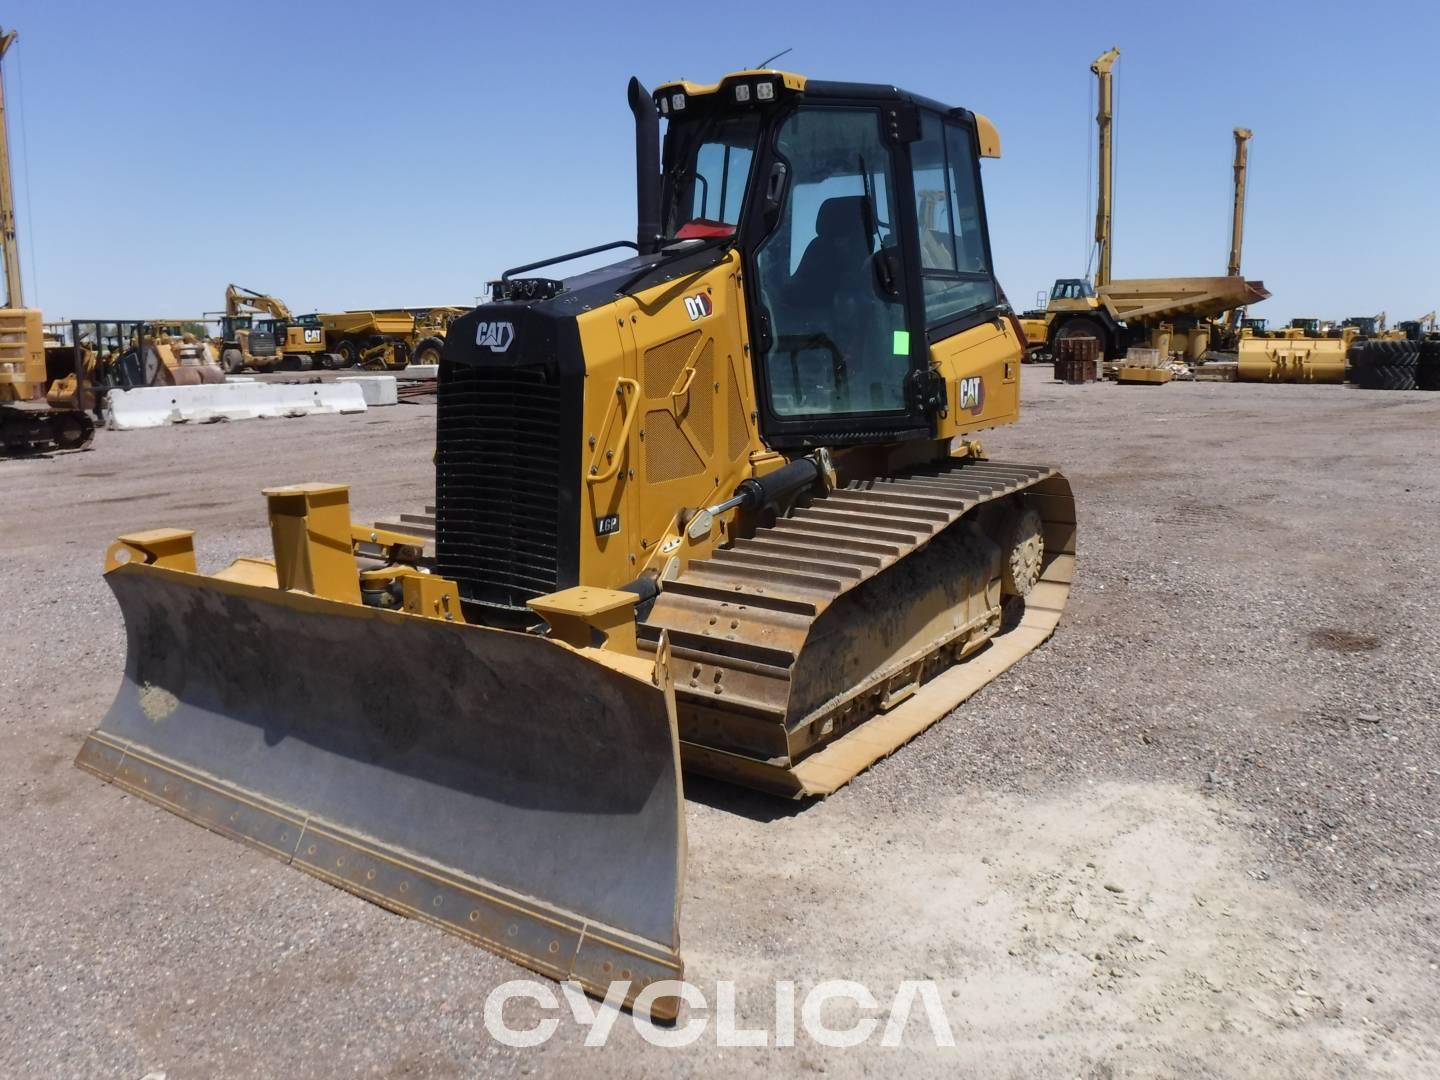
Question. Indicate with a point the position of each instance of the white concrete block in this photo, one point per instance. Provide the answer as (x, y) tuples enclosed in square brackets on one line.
[(378, 389), (156, 406)]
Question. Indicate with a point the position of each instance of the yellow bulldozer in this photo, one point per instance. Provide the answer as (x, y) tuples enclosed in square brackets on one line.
[(718, 505)]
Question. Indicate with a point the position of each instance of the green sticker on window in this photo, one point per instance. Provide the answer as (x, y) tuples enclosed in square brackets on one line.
[(902, 343)]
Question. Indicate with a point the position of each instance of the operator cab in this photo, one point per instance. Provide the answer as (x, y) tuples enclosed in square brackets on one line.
[(1071, 289), (858, 218), (860, 215)]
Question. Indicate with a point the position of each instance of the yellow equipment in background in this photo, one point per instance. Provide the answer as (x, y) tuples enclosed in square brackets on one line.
[(383, 338), (36, 413), (719, 503), (1237, 224), (277, 339), (30, 418), (173, 355), (1301, 352), (1172, 315), (389, 338)]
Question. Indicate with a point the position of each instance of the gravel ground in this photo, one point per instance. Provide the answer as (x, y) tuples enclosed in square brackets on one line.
[(1192, 835)]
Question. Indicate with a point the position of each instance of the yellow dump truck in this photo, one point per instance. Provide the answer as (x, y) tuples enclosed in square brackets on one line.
[(1174, 315), (390, 337)]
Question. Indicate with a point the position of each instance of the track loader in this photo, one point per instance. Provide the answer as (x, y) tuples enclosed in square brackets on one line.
[(717, 504)]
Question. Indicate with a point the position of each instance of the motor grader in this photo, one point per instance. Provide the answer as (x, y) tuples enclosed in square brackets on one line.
[(716, 505)]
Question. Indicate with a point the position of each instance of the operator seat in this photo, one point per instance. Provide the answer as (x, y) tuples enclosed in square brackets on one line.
[(836, 264)]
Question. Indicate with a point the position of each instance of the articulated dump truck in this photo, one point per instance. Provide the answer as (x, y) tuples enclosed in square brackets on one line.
[(717, 506)]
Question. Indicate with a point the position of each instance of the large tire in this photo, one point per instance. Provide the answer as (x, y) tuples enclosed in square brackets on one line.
[(232, 360), (1427, 371), (428, 351), (1386, 377), (1080, 326), (347, 352), (1392, 353)]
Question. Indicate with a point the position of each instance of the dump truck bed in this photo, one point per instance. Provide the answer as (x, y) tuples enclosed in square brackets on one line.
[(1151, 300)]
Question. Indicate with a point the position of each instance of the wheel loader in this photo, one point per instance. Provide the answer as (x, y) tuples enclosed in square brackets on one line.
[(717, 505)]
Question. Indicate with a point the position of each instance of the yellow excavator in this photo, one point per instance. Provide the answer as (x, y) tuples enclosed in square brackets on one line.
[(716, 505), (276, 338)]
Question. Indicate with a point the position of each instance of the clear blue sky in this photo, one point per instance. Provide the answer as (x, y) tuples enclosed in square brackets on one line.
[(347, 155)]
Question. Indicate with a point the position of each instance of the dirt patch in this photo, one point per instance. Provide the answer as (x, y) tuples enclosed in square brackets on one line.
[(1125, 927), (1338, 639), (1195, 515), (128, 498)]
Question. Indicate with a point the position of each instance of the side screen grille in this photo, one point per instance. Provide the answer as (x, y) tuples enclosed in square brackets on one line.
[(497, 484)]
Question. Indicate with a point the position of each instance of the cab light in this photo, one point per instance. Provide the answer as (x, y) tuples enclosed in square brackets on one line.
[(764, 91), (742, 92)]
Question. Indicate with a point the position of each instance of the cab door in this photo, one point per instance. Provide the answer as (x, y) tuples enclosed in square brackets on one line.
[(835, 351)]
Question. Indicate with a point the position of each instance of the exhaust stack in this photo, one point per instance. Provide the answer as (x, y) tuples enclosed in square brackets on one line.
[(647, 168)]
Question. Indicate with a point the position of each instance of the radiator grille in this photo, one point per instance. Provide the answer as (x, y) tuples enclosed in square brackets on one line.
[(497, 484)]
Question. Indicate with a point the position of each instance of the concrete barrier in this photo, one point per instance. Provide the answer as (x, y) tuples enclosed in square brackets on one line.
[(378, 389), (419, 371), (156, 406)]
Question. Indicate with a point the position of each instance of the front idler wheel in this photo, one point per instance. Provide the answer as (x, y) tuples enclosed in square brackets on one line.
[(1024, 553)]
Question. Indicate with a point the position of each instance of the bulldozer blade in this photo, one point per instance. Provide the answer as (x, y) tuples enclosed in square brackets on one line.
[(502, 786)]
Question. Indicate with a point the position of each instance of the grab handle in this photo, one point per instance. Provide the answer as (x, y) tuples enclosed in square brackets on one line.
[(622, 386)]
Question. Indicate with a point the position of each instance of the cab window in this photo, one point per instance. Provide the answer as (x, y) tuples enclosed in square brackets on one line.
[(707, 170), (954, 264)]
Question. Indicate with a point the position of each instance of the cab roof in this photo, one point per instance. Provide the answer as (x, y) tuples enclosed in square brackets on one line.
[(789, 82)]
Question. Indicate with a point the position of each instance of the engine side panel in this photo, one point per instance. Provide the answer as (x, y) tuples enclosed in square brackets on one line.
[(668, 419)]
